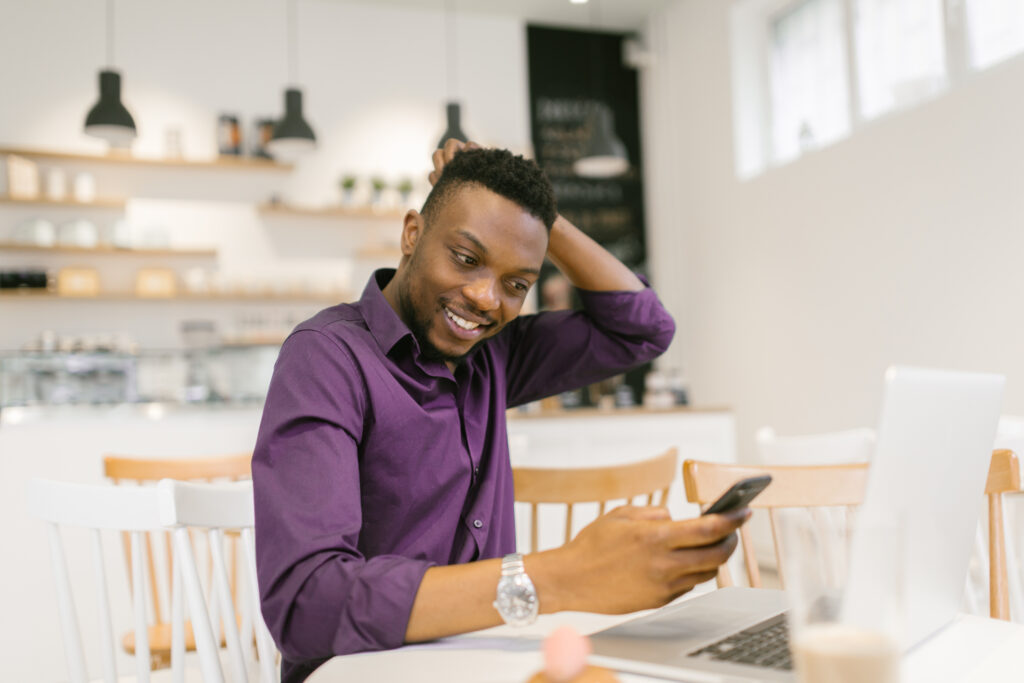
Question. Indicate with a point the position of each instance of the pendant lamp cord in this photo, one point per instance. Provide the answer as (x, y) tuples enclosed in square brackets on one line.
[(451, 85), (110, 34), (595, 54), (293, 47)]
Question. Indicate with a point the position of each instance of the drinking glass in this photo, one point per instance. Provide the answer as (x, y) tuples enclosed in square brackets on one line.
[(845, 591)]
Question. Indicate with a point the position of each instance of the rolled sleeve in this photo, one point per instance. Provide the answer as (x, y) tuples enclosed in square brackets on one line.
[(320, 595), (556, 351)]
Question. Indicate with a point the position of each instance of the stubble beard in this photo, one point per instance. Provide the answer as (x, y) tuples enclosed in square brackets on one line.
[(419, 323)]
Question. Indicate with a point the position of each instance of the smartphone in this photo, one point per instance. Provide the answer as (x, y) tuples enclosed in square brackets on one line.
[(739, 494)]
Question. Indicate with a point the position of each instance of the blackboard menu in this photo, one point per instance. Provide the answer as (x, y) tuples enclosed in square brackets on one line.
[(572, 73)]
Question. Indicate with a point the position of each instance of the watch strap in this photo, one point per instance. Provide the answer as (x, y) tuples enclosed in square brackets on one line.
[(512, 564)]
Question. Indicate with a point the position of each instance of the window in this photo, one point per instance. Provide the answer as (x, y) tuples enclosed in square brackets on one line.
[(809, 88), (900, 52), (995, 30), (807, 73)]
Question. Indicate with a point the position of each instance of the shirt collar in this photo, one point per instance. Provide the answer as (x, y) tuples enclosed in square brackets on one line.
[(388, 329), (382, 320)]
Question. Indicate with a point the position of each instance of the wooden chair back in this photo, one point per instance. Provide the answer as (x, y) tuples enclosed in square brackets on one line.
[(650, 478), (98, 509), (234, 467), (793, 486), (811, 486), (134, 470), (214, 510)]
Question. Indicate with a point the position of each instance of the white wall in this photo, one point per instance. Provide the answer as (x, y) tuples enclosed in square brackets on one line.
[(796, 289), (375, 87)]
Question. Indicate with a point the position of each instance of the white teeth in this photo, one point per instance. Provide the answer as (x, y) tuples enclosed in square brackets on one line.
[(461, 322)]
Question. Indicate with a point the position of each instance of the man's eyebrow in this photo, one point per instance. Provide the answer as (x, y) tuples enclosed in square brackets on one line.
[(472, 238), (483, 250)]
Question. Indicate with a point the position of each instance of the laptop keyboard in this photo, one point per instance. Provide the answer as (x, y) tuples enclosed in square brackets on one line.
[(765, 644)]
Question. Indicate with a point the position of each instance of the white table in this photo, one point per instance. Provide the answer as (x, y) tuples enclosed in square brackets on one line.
[(970, 650)]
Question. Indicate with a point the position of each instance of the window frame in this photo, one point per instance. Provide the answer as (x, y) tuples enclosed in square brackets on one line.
[(751, 27)]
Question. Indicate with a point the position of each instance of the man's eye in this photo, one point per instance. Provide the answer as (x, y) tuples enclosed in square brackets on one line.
[(465, 259), (519, 287)]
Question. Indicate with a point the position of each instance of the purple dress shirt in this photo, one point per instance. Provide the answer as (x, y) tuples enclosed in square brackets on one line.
[(373, 464)]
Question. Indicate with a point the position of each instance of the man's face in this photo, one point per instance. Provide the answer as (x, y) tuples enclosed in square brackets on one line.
[(469, 270)]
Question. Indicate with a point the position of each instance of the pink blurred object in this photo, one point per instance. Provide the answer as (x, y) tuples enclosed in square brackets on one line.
[(565, 654)]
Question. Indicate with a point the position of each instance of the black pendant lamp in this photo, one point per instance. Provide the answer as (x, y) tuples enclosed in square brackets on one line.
[(292, 136), (109, 119), (453, 109), (454, 129), (604, 155)]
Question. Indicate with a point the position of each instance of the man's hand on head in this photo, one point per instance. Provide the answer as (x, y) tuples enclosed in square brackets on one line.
[(638, 558), (445, 154)]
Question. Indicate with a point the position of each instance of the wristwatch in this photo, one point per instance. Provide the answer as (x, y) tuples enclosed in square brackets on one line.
[(517, 598)]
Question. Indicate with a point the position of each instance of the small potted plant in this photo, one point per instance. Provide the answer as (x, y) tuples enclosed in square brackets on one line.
[(348, 186), (404, 188), (379, 185)]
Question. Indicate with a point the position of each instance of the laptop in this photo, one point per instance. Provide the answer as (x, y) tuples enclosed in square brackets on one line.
[(935, 421)]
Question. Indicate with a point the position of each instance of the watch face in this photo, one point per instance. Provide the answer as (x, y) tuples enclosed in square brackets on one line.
[(517, 600)]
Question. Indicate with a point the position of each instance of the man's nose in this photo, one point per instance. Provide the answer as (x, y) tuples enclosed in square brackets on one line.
[(482, 293)]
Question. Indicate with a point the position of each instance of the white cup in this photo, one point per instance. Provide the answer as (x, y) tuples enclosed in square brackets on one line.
[(85, 187), (56, 184)]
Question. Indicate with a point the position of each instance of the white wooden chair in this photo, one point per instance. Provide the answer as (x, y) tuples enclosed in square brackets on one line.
[(179, 506), (129, 470), (99, 509), (217, 508)]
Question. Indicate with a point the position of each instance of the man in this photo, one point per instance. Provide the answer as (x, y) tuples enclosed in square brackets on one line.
[(383, 488)]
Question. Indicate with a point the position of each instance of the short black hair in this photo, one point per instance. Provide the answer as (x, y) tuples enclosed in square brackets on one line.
[(501, 172)]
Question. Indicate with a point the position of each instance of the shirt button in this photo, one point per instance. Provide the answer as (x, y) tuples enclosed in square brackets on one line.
[(477, 523), (476, 471)]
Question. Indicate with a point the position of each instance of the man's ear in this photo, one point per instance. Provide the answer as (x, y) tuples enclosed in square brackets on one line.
[(412, 230)]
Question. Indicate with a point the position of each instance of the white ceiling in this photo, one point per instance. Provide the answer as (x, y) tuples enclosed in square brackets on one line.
[(619, 15)]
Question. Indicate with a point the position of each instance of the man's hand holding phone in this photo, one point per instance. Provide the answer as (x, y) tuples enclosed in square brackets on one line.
[(636, 558), (639, 557)]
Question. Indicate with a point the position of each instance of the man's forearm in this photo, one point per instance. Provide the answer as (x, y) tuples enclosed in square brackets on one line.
[(626, 560), (458, 598), (586, 263)]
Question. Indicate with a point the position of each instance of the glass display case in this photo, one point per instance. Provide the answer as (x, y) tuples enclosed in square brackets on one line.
[(236, 374)]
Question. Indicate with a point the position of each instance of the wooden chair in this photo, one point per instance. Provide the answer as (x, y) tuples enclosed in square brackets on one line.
[(802, 486), (122, 469), (649, 478), (1003, 477), (98, 509), (217, 509), (813, 486), (822, 448)]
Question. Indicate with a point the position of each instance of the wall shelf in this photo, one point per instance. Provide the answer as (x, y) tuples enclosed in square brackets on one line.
[(43, 201), (253, 341), (15, 246), (332, 212), (218, 163), (37, 295)]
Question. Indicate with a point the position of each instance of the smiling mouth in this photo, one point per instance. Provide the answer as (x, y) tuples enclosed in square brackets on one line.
[(467, 325)]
